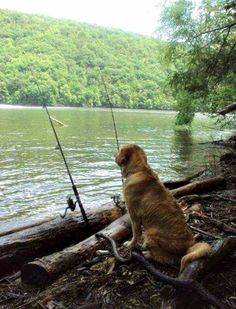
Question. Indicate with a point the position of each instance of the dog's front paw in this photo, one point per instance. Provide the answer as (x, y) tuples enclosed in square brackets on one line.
[(129, 244)]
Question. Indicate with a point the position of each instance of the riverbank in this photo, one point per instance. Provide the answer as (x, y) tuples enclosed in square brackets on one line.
[(100, 282)]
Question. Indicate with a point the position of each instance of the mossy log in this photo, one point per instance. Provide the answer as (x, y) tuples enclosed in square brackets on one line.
[(25, 245), (42, 271)]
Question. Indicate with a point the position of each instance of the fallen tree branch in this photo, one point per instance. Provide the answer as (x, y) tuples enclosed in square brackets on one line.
[(196, 197), (190, 286), (228, 109), (200, 186), (173, 184)]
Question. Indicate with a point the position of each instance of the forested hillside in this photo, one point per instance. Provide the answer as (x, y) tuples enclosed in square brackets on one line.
[(59, 62)]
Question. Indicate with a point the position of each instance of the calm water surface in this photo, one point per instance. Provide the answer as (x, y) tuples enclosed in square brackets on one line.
[(33, 180)]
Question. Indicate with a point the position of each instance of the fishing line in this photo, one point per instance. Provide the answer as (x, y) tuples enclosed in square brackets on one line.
[(70, 202), (111, 108), (113, 116)]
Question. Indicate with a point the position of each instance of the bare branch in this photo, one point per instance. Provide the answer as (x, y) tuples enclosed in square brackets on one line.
[(217, 29), (212, 66)]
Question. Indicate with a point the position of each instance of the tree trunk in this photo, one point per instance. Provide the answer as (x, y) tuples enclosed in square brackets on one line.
[(25, 245), (42, 271), (199, 186), (228, 109)]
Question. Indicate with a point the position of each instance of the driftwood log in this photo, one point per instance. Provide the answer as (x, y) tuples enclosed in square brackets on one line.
[(199, 186), (173, 184), (42, 271), (20, 247)]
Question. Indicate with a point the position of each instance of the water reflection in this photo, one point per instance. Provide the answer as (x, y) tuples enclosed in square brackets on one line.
[(182, 143)]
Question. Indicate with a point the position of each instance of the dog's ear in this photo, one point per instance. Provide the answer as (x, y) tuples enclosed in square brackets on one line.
[(123, 156)]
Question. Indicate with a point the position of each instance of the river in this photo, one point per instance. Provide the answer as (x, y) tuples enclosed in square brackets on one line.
[(34, 183)]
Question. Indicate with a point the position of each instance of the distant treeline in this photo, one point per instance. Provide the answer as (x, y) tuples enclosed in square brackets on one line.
[(59, 62)]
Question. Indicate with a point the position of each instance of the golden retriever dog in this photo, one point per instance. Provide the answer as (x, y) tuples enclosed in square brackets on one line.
[(154, 210)]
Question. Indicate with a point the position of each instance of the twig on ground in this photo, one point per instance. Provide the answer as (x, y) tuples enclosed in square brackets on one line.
[(203, 232)]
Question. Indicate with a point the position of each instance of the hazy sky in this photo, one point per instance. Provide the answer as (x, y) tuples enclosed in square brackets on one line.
[(138, 16)]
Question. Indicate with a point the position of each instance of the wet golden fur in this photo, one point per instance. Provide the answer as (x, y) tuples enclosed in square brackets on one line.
[(154, 209)]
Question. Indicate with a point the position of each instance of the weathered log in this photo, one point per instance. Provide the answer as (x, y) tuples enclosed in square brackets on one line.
[(196, 270), (42, 271), (220, 250), (199, 186), (173, 184), (25, 227), (228, 109), (46, 238)]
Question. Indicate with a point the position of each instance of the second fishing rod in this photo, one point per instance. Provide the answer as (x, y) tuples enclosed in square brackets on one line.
[(71, 204)]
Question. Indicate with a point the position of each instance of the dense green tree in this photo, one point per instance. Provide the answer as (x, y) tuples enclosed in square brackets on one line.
[(202, 45)]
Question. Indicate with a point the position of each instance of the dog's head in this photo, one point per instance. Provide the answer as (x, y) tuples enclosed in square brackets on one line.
[(129, 155)]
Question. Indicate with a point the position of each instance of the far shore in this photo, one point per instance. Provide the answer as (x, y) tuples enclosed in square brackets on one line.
[(10, 106), (117, 109)]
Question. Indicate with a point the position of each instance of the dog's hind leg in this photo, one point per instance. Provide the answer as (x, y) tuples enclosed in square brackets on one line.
[(158, 253)]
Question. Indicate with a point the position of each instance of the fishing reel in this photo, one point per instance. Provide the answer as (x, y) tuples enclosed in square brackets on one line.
[(116, 199), (71, 205)]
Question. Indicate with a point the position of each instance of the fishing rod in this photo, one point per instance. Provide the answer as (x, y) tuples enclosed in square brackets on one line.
[(71, 204)]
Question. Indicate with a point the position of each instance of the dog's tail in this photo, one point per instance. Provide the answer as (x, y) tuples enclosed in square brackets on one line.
[(195, 252)]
